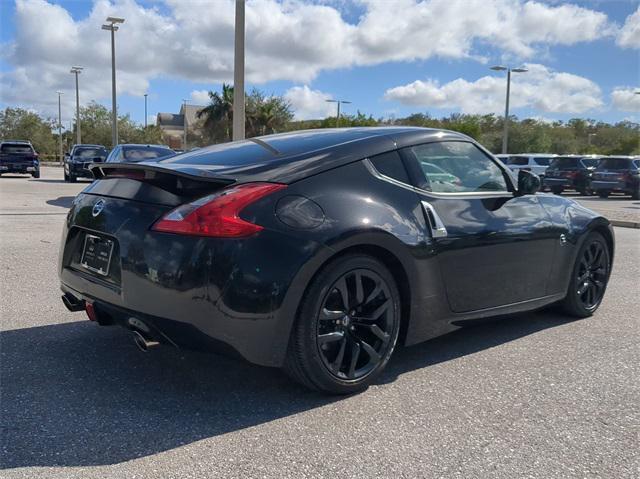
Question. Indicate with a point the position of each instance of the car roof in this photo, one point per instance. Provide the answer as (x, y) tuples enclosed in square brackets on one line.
[(144, 145), (287, 157), (88, 145), (20, 142), (546, 155)]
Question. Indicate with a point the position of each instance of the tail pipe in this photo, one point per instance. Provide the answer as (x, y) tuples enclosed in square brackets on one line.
[(143, 342), (72, 303)]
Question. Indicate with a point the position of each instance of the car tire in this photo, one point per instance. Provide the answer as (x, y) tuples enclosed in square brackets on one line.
[(556, 190), (72, 178), (344, 334), (36, 174), (589, 277), (635, 194), (603, 193)]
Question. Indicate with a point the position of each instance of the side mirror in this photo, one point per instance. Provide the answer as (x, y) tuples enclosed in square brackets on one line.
[(528, 183)]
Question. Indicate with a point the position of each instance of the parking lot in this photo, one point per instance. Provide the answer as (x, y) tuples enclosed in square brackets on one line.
[(537, 395)]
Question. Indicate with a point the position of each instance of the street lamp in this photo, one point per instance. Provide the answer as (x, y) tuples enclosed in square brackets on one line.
[(113, 28), (60, 123), (238, 74), (184, 124), (76, 71), (145, 110), (338, 102), (589, 136), (505, 135)]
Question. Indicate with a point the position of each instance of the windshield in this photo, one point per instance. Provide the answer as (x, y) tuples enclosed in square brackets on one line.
[(614, 164), (146, 153), (89, 153), (517, 160), (543, 160), (561, 163), (16, 148), (590, 162)]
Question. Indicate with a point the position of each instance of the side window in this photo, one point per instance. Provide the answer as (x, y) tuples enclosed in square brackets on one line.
[(457, 167), (390, 164)]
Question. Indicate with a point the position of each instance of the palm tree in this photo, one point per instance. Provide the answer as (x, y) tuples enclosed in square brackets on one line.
[(218, 115)]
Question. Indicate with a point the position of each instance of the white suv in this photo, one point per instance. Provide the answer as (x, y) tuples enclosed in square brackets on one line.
[(534, 162)]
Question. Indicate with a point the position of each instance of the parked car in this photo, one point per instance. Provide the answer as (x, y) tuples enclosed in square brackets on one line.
[(319, 251), (133, 153), (534, 162), (18, 156), (76, 163), (571, 172), (620, 174)]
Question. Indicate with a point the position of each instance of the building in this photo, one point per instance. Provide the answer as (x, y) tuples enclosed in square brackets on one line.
[(172, 125)]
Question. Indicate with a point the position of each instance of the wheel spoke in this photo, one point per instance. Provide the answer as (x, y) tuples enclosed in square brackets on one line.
[(374, 294), (373, 354), (380, 309), (330, 337), (355, 354), (375, 329), (338, 361), (341, 286), (359, 289), (583, 288)]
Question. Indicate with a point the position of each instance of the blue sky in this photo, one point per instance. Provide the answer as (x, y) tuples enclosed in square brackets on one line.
[(391, 57)]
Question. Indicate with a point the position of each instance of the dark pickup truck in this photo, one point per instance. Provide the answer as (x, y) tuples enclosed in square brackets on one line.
[(19, 157)]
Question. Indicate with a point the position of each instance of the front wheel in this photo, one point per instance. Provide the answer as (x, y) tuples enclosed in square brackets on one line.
[(36, 174), (557, 190), (347, 326), (635, 194), (589, 278), (603, 193)]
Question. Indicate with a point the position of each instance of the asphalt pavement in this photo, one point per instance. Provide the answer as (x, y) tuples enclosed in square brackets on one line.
[(537, 395)]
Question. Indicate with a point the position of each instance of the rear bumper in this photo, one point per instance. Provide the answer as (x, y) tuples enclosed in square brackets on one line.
[(611, 185), (558, 182), (79, 170), (27, 168)]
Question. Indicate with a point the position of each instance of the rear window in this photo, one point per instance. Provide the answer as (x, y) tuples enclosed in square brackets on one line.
[(88, 153), (562, 163), (517, 160), (543, 160), (590, 162), (240, 153), (146, 153), (614, 164), (16, 148)]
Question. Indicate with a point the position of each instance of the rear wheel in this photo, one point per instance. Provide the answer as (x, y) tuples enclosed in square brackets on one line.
[(72, 178), (603, 193), (589, 278), (347, 326), (635, 194), (36, 174), (557, 190)]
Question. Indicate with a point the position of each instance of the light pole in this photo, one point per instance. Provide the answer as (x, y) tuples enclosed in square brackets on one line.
[(505, 134), (76, 71), (338, 102), (238, 74), (60, 123), (184, 124), (113, 28), (589, 136), (145, 110)]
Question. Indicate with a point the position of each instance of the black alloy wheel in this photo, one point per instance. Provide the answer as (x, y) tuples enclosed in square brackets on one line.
[(355, 324), (347, 327), (590, 277)]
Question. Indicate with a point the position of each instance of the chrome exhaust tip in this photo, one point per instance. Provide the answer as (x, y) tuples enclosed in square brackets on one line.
[(143, 343)]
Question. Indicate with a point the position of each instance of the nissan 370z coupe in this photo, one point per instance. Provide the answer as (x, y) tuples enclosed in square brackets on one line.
[(320, 251)]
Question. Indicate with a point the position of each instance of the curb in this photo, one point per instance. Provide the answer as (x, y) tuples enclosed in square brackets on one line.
[(625, 224)]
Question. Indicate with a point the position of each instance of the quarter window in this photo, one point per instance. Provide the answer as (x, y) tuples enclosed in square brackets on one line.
[(390, 164), (457, 167)]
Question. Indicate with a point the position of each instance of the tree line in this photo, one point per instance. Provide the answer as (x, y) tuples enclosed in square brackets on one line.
[(266, 114)]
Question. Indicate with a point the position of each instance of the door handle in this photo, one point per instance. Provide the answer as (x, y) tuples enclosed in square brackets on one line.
[(438, 229)]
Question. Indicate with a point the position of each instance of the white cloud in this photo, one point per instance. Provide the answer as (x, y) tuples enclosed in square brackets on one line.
[(286, 40), (629, 35), (540, 88), (625, 99), (309, 104), (200, 97)]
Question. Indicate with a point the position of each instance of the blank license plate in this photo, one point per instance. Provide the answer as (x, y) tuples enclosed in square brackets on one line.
[(96, 254)]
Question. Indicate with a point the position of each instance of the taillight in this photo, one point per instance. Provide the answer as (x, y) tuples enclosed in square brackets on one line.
[(217, 215)]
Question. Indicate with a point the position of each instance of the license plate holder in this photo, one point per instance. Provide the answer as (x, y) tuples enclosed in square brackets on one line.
[(96, 254)]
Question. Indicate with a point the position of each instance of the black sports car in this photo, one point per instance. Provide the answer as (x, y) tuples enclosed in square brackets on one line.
[(319, 251)]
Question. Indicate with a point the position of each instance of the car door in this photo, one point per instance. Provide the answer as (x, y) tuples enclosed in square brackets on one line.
[(494, 247)]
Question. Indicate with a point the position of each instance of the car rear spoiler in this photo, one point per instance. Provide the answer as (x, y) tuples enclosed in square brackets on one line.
[(177, 179)]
